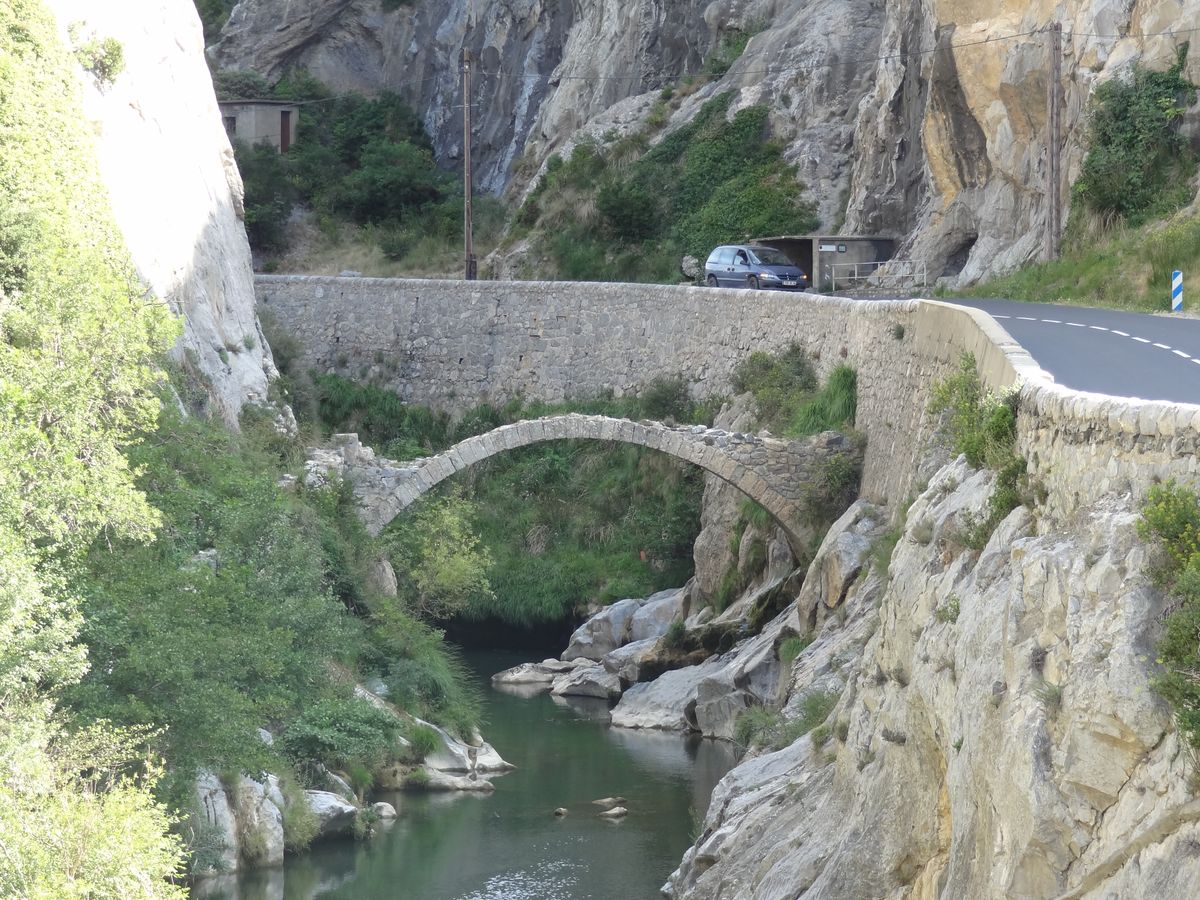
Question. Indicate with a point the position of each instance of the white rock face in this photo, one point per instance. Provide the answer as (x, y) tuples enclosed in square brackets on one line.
[(1002, 700), (334, 815), (588, 681), (603, 632), (175, 191), (216, 812), (260, 823), (657, 613)]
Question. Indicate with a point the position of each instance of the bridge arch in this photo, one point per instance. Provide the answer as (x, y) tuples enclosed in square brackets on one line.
[(769, 471)]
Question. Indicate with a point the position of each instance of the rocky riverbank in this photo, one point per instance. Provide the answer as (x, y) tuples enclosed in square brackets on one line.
[(242, 819)]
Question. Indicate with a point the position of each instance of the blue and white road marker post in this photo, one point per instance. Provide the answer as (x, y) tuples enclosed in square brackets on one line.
[(1176, 291)]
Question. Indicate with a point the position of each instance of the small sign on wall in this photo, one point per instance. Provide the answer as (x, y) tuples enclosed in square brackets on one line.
[(829, 248)]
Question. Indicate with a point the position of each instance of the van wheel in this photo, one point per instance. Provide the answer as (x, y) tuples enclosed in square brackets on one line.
[(711, 281), (752, 282)]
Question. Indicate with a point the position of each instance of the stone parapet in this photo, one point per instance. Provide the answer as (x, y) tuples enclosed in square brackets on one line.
[(451, 345)]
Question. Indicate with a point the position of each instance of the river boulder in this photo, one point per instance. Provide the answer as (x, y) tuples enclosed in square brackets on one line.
[(627, 662), (590, 681), (453, 755), (543, 673), (656, 615), (334, 815), (216, 814), (603, 632), (259, 823), (668, 702)]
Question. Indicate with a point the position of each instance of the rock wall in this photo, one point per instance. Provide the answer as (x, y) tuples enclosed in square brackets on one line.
[(175, 191), (996, 733), (920, 119)]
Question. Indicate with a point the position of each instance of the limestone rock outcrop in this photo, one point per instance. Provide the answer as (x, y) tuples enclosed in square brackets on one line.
[(996, 732), (174, 188), (924, 121)]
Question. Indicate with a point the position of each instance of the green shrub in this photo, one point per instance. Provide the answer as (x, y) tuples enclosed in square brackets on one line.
[(728, 50), (103, 57), (983, 427), (300, 823), (269, 195), (757, 726), (342, 733), (791, 648), (1138, 162), (422, 741), (79, 355), (675, 636), (948, 611)]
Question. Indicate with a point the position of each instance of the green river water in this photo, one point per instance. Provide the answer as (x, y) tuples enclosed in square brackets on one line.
[(508, 845)]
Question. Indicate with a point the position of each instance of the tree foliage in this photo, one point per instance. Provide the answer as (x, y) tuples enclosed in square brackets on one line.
[(716, 179), (78, 344)]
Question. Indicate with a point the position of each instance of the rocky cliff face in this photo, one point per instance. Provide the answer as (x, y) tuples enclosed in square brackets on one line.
[(996, 734), (175, 191), (920, 119)]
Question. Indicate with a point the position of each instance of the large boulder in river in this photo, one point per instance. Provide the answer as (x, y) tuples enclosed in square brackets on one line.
[(656, 615), (588, 681), (334, 815), (627, 662), (259, 822), (603, 632), (453, 755), (668, 702), (543, 673), (216, 814)]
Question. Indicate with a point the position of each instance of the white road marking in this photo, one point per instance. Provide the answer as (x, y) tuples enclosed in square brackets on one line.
[(1052, 321), (1027, 318), (1001, 317), (1121, 333), (1181, 353), (1141, 340), (1162, 346), (1077, 325), (1097, 328)]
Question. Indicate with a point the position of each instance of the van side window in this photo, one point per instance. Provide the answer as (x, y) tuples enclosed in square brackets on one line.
[(740, 259)]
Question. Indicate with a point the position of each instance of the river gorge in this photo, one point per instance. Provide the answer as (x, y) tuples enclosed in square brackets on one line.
[(509, 845)]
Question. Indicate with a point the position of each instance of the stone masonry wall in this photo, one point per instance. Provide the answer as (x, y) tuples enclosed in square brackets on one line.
[(454, 344)]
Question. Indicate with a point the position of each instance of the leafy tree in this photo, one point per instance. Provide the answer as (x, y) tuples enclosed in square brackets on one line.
[(269, 197), (439, 557), (391, 179), (211, 647)]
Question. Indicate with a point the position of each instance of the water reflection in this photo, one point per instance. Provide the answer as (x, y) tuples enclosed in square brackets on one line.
[(509, 845)]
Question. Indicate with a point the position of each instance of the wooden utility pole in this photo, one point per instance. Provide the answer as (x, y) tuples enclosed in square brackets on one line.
[(468, 240), (1054, 142)]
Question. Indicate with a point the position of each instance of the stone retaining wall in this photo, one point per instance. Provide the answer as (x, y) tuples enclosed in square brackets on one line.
[(454, 344)]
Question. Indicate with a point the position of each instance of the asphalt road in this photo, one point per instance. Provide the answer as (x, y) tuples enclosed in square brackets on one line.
[(1106, 351)]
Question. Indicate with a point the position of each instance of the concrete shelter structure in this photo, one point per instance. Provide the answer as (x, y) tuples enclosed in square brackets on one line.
[(255, 121)]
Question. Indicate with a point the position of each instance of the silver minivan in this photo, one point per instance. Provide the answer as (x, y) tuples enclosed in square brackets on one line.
[(749, 266)]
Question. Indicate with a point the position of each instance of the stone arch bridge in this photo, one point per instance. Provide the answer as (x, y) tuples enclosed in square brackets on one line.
[(774, 473)]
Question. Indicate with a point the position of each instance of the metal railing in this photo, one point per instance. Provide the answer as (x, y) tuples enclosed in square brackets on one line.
[(882, 275)]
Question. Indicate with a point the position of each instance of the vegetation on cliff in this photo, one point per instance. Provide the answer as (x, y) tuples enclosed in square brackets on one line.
[(618, 211), (1118, 250), (364, 169), (1171, 518), (162, 596), (78, 342)]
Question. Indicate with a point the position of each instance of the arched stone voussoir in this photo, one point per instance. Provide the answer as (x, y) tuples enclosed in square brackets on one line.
[(384, 488)]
